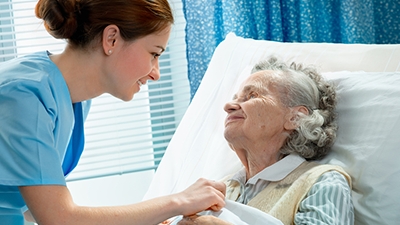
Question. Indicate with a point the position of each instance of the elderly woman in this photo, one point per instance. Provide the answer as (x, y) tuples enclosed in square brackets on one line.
[(281, 119)]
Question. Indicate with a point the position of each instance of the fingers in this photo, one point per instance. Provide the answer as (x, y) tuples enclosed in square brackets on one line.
[(187, 220), (219, 186), (216, 207), (191, 217), (203, 195), (219, 190), (206, 219)]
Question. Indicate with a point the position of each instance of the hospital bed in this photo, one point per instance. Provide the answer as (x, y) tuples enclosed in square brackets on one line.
[(368, 140)]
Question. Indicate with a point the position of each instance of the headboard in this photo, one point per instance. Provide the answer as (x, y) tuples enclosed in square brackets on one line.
[(368, 143)]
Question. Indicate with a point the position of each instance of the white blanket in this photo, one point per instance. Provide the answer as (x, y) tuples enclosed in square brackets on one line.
[(240, 214)]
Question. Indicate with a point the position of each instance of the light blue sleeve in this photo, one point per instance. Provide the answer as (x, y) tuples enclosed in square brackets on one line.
[(328, 202), (28, 118)]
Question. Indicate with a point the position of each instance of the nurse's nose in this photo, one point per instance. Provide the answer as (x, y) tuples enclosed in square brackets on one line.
[(155, 73)]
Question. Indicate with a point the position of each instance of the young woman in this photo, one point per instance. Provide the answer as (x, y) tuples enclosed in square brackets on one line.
[(112, 47)]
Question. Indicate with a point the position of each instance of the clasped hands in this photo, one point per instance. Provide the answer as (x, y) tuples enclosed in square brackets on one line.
[(202, 195)]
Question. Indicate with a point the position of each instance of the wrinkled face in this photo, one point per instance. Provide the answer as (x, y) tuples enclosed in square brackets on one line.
[(255, 113), (135, 63)]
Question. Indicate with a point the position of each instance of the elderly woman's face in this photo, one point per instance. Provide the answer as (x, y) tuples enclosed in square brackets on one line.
[(256, 113)]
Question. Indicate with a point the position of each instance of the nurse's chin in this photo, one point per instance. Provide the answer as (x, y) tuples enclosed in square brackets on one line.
[(126, 97)]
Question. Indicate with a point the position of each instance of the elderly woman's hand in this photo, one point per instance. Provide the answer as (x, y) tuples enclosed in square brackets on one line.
[(206, 219)]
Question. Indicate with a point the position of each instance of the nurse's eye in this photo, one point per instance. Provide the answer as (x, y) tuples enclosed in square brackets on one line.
[(156, 55)]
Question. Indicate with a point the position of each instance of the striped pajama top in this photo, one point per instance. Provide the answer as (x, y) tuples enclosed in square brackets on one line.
[(328, 201)]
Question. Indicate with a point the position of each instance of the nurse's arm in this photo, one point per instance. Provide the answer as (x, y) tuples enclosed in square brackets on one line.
[(53, 204)]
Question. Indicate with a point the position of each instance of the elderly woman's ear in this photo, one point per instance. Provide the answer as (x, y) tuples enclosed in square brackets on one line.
[(292, 117)]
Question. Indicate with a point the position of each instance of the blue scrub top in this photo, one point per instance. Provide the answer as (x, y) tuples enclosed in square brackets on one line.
[(36, 123)]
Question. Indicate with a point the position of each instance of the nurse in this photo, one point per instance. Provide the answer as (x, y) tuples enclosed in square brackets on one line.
[(112, 47)]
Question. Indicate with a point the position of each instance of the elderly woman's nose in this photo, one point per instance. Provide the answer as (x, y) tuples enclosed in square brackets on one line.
[(231, 106)]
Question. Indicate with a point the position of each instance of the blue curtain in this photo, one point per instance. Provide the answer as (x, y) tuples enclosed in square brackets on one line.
[(335, 21)]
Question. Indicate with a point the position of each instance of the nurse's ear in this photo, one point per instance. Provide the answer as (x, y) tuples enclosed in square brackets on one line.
[(292, 117), (110, 39)]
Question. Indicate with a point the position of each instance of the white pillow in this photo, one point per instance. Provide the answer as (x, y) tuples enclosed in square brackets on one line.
[(369, 113), (368, 142)]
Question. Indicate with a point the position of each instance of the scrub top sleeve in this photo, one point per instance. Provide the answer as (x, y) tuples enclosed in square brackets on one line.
[(28, 116)]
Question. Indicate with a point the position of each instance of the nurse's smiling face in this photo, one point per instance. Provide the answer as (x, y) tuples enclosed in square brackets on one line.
[(135, 63)]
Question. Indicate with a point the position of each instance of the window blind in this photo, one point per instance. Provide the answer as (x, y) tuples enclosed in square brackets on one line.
[(121, 137)]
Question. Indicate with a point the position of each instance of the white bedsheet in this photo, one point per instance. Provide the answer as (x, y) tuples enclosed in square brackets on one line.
[(240, 214)]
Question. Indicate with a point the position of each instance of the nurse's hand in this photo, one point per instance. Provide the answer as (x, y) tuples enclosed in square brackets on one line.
[(202, 195), (206, 219)]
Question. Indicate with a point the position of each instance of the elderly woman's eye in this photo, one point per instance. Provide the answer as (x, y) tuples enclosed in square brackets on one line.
[(252, 96)]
